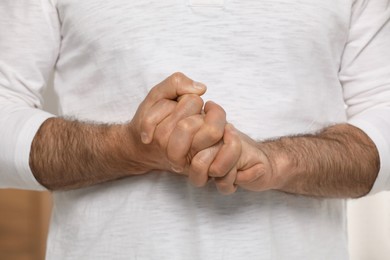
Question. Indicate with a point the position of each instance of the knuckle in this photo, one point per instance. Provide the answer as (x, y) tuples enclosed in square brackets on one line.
[(201, 162), (199, 165), (217, 170), (235, 145), (148, 121), (190, 105), (185, 125), (218, 109), (176, 79), (153, 95), (215, 133), (229, 130), (193, 100)]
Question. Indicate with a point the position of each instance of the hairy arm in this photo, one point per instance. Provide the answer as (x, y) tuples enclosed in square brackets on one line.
[(340, 161), (68, 154)]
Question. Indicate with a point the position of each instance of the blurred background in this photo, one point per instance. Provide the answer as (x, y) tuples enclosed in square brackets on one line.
[(24, 219), (369, 227), (25, 215)]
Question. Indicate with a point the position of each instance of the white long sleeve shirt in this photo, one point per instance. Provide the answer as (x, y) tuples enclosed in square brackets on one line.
[(277, 67)]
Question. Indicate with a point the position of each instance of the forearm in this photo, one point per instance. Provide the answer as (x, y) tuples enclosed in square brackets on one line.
[(69, 154), (340, 161)]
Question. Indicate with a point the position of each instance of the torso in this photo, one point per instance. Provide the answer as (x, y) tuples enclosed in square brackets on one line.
[(273, 66)]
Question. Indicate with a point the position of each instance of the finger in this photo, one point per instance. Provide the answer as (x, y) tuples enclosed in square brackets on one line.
[(154, 116), (228, 155), (175, 86), (225, 185), (255, 185), (213, 129), (189, 105), (256, 178), (250, 175), (180, 141), (200, 163)]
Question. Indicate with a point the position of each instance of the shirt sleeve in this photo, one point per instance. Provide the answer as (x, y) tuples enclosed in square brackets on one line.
[(29, 44), (365, 76)]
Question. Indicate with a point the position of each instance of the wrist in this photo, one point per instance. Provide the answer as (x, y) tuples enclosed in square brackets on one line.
[(124, 150), (282, 166)]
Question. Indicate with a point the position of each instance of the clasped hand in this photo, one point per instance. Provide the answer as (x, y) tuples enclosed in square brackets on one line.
[(174, 132)]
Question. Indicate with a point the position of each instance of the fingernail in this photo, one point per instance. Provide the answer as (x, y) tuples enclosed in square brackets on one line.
[(177, 169), (199, 85), (144, 138)]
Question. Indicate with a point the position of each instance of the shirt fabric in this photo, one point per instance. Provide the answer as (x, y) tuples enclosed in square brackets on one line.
[(277, 67)]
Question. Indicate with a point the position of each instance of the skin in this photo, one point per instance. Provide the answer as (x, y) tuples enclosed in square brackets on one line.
[(170, 131), (67, 154), (339, 162)]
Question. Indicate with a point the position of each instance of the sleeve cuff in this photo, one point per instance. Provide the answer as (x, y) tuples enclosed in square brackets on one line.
[(17, 137)]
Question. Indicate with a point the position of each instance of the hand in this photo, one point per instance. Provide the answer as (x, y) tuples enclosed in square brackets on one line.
[(194, 134), (239, 161), (183, 139), (255, 168), (175, 98), (310, 164), (183, 131)]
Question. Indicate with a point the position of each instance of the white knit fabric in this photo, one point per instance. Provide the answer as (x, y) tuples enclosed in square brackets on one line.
[(277, 67)]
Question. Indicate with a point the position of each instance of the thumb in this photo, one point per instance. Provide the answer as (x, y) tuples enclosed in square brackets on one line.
[(175, 86)]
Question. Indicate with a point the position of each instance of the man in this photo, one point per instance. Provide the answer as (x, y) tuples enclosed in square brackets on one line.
[(283, 73)]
